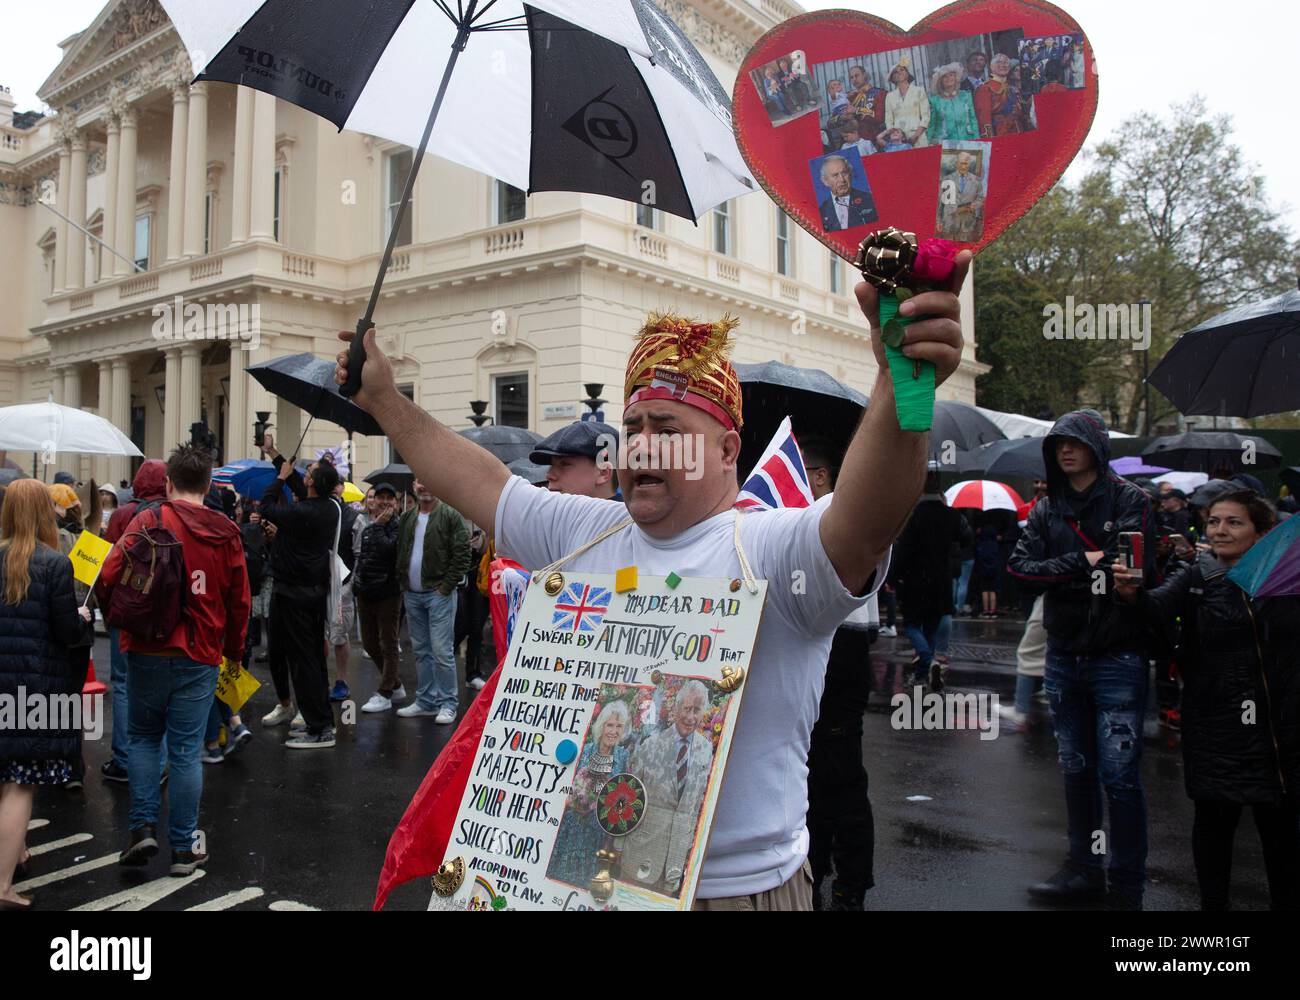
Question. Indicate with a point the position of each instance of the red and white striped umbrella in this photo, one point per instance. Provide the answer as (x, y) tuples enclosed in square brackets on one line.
[(983, 494)]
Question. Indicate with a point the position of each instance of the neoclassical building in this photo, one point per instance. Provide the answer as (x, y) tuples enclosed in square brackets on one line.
[(227, 198)]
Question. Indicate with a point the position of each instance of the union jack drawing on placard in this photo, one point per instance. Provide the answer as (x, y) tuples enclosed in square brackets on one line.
[(581, 607)]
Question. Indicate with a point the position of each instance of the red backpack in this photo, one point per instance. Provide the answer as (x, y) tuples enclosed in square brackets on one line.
[(149, 598)]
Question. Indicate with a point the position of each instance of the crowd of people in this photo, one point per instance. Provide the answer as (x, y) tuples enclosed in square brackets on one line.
[(197, 577)]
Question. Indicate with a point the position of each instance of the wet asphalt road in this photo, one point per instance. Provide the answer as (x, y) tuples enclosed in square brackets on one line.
[(309, 828)]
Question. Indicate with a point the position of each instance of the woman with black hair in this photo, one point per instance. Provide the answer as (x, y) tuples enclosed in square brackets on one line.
[(1239, 659)]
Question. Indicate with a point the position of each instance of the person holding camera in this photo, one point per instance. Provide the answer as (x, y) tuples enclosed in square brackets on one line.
[(1239, 659), (1096, 670)]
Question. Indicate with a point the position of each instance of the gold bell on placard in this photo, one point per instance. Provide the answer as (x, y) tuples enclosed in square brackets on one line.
[(449, 876), (602, 883), (732, 678), (554, 584)]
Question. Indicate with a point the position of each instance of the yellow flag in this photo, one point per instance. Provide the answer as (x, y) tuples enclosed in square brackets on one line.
[(88, 556), (235, 685)]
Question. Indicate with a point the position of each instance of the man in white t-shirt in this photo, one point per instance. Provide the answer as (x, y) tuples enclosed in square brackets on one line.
[(821, 562)]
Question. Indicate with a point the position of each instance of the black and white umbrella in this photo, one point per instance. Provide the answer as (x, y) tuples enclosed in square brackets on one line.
[(599, 96)]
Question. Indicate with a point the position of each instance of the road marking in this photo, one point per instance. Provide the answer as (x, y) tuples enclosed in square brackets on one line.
[(66, 873), (36, 824), (289, 904), (229, 899), (54, 845), (140, 896)]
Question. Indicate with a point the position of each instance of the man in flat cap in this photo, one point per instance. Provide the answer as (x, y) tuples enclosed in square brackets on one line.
[(581, 459), (679, 385)]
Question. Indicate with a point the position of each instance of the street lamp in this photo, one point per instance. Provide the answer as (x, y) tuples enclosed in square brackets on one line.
[(593, 401), (479, 417)]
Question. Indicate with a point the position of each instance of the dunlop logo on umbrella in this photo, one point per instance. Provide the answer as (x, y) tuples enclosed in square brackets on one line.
[(282, 69)]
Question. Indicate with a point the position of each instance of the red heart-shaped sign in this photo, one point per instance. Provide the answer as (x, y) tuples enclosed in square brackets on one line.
[(952, 129)]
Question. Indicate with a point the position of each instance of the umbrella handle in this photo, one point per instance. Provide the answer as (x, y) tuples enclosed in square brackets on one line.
[(913, 380), (357, 355)]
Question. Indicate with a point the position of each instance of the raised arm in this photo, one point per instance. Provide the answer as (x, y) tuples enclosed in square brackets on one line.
[(884, 468), (455, 470)]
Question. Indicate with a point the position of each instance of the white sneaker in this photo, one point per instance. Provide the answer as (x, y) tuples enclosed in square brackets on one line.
[(413, 710), (277, 715), (299, 724), (477, 683), (1010, 714), (365, 654), (446, 717), (377, 703), (888, 631), (400, 693)]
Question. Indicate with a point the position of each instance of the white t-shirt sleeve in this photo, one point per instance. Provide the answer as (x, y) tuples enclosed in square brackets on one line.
[(785, 546), (535, 527)]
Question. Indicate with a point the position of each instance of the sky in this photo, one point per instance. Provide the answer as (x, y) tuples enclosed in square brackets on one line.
[(1150, 54)]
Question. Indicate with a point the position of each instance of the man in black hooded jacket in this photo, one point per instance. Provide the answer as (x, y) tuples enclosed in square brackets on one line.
[(1096, 676)]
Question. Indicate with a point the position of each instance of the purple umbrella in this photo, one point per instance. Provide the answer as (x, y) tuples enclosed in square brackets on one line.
[(1133, 465)]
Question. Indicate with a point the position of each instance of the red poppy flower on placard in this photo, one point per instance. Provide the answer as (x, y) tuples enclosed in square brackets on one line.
[(618, 804)]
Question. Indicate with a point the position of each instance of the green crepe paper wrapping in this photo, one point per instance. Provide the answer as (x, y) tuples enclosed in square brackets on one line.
[(913, 397)]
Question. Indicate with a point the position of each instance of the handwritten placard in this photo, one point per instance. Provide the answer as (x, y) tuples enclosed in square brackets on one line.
[(596, 777)]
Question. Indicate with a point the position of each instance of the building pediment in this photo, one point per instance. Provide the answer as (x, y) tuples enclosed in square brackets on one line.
[(118, 27)]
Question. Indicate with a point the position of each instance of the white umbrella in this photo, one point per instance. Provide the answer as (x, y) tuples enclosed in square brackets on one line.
[(48, 428), (602, 96)]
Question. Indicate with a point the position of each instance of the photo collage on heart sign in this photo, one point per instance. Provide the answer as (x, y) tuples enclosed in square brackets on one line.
[(965, 94)]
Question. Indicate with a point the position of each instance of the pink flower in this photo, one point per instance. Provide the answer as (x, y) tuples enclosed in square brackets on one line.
[(934, 261)]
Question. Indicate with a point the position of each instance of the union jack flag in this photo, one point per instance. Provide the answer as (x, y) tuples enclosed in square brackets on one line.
[(779, 479), (581, 607)]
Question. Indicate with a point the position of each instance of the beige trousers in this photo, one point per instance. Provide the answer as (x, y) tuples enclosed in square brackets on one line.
[(794, 894)]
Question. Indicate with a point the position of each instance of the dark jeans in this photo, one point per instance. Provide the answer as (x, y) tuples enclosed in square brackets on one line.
[(471, 611), (924, 634), (1097, 705), (79, 665), (297, 656), (840, 822), (379, 618), (1213, 831)]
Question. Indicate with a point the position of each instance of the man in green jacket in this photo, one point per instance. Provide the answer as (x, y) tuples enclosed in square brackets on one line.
[(432, 556)]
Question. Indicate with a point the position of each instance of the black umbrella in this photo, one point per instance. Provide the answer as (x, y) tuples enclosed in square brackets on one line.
[(395, 474), (1213, 451), (8, 476), (531, 471), (962, 425), (816, 404), (1016, 457), (506, 443), (1241, 363), (307, 382)]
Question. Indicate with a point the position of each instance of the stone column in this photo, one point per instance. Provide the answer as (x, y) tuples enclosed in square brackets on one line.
[(261, 222), (191, 390), (104, 409), (72, 397), (56, 383), (61, 227), (76, 262), (126, 186), (109, 234), (196, 169), (120, 414), (176, 175), (239, 421), (171, 400), (240, 181)]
